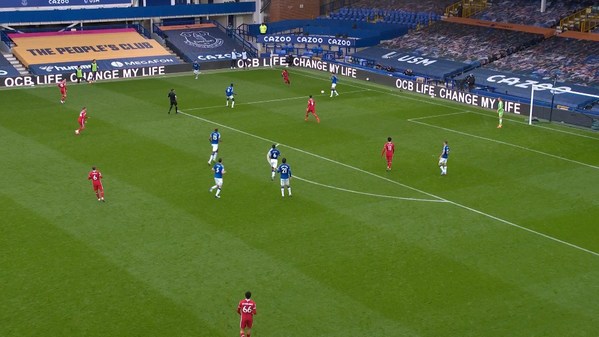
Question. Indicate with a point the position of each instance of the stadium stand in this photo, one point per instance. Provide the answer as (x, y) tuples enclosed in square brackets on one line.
[(472, 44), (54, 52), (423, 6), (203, 42), (6, 68), (565, 59), (528, 12), (411, 19)]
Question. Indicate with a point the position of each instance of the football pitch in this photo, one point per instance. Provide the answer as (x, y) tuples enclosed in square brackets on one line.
[(506, 244)]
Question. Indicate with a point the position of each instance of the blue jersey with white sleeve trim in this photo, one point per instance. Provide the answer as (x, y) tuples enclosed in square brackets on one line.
[(285, 171)]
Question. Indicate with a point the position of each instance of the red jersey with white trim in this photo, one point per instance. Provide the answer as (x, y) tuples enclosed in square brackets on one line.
[(246, 308), (62, 85), (388, 149), (95, 176), (83, 116), (311, 104)]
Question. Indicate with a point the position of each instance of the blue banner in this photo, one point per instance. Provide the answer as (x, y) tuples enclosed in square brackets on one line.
[(110, 64), (400, 61), (202, 44), (33, 4), (309, 39), (520, 85), (7, 69)]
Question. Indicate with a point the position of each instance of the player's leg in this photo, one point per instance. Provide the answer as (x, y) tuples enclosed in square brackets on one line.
[(218, 189), (241, 327), (176, 108), (232, 102), (227, 101), (289, 188), (315, 115), (97, 191), (283, 188), (500, 120)]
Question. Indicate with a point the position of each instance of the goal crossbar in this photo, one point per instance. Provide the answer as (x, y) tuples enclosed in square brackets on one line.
[(554, 91)]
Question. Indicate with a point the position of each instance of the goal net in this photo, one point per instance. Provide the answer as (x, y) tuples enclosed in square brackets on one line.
[(563, 104)]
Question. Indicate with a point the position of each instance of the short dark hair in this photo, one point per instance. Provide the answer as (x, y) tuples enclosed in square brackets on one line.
[(274, 145), (215, 129), (284, 160), (248, 294), (220, 160), (93, 168), (388, 139), (231, 84), (310, 96)]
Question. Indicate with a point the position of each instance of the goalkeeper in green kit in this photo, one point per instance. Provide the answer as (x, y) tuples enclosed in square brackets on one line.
[(500, 112)]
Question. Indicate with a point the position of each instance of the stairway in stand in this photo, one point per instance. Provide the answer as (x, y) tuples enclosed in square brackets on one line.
[(16, 63)]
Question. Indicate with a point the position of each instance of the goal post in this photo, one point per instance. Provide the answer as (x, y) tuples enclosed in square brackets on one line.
[(559, 94)]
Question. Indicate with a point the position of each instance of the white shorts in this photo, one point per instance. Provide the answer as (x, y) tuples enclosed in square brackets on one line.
[(214, 147), (218, 182), (274, 163), (196, 72), (333, 85), (285, 182), (229, 97), (442, 161)]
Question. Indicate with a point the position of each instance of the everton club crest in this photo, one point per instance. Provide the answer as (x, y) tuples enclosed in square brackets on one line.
[(201, 39)]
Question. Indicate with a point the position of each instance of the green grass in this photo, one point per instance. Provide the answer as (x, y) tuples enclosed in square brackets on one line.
[(506, 245)]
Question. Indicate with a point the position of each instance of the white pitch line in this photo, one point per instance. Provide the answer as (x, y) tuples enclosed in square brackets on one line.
[(366, 193), (440, 115), (265, 101), (537, 126), (506, 143), (406, 186), (409, 95)]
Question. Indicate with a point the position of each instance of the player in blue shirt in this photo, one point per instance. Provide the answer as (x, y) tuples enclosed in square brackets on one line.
[(443, 158), (214, 139), (196, 68), (334, 85), (219, 170), (230, 96), (285, 172), (273, 159)]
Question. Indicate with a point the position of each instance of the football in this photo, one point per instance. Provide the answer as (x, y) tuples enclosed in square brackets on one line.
[(322, 91), (76, 132)]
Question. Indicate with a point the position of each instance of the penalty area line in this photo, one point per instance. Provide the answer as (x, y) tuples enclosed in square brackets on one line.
[(366, 193), (506, 222)]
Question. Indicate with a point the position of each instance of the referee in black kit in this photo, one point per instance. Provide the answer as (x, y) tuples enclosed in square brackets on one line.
[(173, 97)]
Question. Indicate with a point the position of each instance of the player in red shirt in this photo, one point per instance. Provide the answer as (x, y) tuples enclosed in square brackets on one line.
[(82, 120), (62, 85), (311, 109), (388, 151), (285, 75), (96, 177), (246, 309)]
